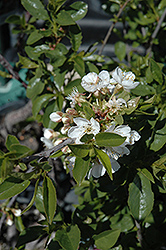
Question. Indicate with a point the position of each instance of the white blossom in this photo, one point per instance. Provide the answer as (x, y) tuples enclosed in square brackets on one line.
[(83, 127), (48, 133), (93, 82), (75, 97), (116, 105), (56, 116), (125, 79)]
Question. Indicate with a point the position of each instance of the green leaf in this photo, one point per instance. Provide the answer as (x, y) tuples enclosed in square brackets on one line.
[(76, 36), (35, 87), (51, 107), (80, 150), (80, 170), (64, 18), (106, 239), (40, 102), (159, 139), (89, 113), (30, 234), (147, 174), (105, 160), (107, 139), (156, 71), (77, 10), (68, 237), (39, 200), (12, 186), (79, 65), (55, 5), (11, 139), (120, 50), (33, 198), (34, 37), (141, 197), (27, 63), (75, 83), (87, 138), (20, 149), (36, 9), (14, 19), (49, 199), (6, 167), (34, 53)]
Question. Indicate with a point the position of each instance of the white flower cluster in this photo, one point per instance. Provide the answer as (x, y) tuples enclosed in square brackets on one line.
[(102, 103)]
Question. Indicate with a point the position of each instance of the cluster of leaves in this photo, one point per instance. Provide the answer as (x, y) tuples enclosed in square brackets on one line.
[(127, 212)]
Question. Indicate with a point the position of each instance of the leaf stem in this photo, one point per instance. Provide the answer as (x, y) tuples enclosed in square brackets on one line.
[(111, 27)]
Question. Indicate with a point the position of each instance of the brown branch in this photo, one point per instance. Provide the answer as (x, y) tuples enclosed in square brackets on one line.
[(112, 26), (47, 153), (14, 74), (149, 50)]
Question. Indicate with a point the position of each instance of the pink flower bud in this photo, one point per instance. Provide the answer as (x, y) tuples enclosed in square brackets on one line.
[(71, 111)]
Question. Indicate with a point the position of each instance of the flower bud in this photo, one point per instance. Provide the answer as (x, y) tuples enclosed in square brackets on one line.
[(67, 119), (56, 116), (64, 129), (71, 111), (48, 133)]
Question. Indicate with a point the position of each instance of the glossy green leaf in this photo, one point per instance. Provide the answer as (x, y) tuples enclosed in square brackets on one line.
[(79, 65), (141, 197), (159, 139), (36, 9), (27, 63), (11, 139), (80, 150), (107, 139), (39, 200), (120, 50), (64, 18), (75, 83), (68, 237), (76, 36), (12, 186), (87, 138), (106, 239), (40, 102), (105, 160), (33, 198), (49, 199), (35, 87), (147, 174), (34, 37), (80, 170), (123, 222), (30, 234), (34, 53), (156, 71), (77, 10)]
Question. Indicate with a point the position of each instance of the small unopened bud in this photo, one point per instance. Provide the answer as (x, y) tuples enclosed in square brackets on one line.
[(67, 119), (48, 133), (9, 221), (16, 212), (71, 111), (64, 129), (56, 116)]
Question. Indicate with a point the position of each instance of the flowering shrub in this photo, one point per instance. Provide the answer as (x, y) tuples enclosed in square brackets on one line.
[(104, 118), (101, 139)]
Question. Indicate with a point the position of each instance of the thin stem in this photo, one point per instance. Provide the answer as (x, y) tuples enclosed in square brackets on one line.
[(14, 74), (149, 50), (112, 26)]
